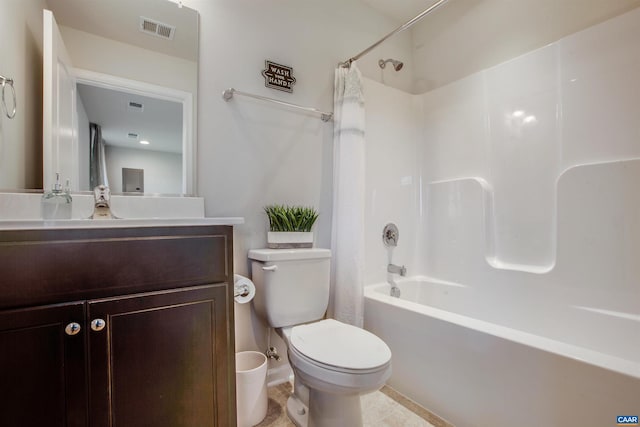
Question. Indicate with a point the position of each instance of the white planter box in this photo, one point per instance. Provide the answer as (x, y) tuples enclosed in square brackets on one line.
[(290, 239)]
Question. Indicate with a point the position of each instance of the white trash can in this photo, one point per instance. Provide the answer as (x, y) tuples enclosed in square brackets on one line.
[(251, 387)]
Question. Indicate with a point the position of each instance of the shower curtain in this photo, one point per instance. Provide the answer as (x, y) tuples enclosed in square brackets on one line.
[(97, 160), (347, 240)]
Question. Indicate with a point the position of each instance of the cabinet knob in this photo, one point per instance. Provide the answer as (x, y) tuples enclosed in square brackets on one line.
[(98, 324), (72, 328)]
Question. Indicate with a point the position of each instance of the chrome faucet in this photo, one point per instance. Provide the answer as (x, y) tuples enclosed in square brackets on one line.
[(397, 269), (101, 207)]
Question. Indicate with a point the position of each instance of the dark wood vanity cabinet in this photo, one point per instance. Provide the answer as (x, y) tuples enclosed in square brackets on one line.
[(42, 369), (140, 337), (157, 365)]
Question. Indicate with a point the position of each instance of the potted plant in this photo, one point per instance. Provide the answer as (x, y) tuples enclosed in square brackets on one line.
[(290, 226)]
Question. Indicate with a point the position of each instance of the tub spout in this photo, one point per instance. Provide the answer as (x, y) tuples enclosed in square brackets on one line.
[(397, 269)]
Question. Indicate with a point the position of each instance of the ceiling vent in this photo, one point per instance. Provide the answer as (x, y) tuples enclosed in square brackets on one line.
[(133, 135), (157, 28), (136, 106)]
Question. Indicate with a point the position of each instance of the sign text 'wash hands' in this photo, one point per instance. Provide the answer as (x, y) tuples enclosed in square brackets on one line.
[(277, 76)]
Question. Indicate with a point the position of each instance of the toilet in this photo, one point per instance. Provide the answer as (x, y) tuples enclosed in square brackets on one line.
[(333, 363)]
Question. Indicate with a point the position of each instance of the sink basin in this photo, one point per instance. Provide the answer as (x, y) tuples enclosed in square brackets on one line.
[(38, 224)]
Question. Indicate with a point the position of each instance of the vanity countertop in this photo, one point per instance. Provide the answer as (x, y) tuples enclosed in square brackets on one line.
[(37, 224), (22, 211)]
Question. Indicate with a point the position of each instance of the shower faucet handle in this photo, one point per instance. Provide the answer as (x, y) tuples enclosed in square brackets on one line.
[(390, 235)]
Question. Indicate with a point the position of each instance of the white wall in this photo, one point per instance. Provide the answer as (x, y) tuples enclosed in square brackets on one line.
[(251, 154), (162, 171), (264, 153), (21, 60), (464, 37)]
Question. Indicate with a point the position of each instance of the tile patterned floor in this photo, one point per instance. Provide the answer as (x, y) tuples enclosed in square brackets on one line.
[(384, 408)]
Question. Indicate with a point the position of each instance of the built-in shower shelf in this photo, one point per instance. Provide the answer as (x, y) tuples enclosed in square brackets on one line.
[(595, 206)]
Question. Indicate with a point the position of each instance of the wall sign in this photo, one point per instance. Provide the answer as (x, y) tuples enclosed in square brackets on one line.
[(277, 76)]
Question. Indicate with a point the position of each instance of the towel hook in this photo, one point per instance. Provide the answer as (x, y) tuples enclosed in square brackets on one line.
[(4, 82)]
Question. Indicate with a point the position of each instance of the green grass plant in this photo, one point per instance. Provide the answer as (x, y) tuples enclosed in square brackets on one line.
[(290, 218)]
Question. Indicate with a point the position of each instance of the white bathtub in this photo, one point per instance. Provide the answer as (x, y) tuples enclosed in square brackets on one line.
[(553, 366)]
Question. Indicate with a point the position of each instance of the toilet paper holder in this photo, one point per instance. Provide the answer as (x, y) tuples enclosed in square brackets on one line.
[(241, 291)]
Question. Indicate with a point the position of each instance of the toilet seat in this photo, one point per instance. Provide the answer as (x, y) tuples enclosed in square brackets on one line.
[(323, 371), (336, 346), (301, 357)]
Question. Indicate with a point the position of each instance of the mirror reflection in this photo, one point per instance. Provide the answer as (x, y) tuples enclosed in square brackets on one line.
[(140, 133), (123, 132), (147, 49)]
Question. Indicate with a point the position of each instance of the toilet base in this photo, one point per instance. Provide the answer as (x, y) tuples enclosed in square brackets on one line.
[(297, 411), (326, 410)]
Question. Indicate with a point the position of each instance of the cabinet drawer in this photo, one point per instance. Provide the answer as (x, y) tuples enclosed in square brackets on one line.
[(47, 266)]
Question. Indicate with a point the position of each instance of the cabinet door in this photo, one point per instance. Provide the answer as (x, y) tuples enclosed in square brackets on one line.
[(42, 367), (161, 359)]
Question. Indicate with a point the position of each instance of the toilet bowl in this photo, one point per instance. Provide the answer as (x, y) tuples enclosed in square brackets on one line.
[(337, 357), (337, 363), (333, 363)]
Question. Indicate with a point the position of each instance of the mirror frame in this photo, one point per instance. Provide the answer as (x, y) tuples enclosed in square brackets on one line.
[(108, 81)]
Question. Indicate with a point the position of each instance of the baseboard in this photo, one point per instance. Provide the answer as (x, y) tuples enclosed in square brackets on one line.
[(279, 375)]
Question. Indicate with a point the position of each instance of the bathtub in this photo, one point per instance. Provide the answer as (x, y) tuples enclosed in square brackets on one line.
[(477, 363)]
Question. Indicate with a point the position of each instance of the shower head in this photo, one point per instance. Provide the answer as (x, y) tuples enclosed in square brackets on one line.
[(397, 65)]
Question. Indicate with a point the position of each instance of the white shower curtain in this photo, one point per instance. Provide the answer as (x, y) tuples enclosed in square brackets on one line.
[(97, 157), (347, 240)]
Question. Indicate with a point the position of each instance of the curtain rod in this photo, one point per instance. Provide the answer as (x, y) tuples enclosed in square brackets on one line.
[(401, 28), (228, 94)]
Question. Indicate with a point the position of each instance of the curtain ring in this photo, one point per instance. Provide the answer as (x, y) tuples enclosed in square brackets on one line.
[(6, 81)]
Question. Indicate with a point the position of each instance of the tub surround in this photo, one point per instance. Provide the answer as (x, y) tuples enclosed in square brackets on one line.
[(517, 184)]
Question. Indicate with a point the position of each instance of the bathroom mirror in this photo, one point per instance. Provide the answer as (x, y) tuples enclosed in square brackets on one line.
[(127, 59), (141, 98)]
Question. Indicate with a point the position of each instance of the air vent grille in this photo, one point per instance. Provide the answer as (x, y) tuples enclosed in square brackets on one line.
[(132, 135), (136, 106), (157, 28)]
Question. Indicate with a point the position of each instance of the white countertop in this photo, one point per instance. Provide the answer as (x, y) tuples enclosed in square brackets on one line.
[(38, 224), (22, 211)]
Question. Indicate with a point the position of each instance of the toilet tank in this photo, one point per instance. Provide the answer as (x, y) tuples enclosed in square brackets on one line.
[(292, 285)]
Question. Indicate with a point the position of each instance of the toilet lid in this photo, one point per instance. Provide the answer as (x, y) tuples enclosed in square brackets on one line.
[(337, 344)]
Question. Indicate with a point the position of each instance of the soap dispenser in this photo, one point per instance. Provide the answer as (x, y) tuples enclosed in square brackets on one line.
[(56, 203)]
